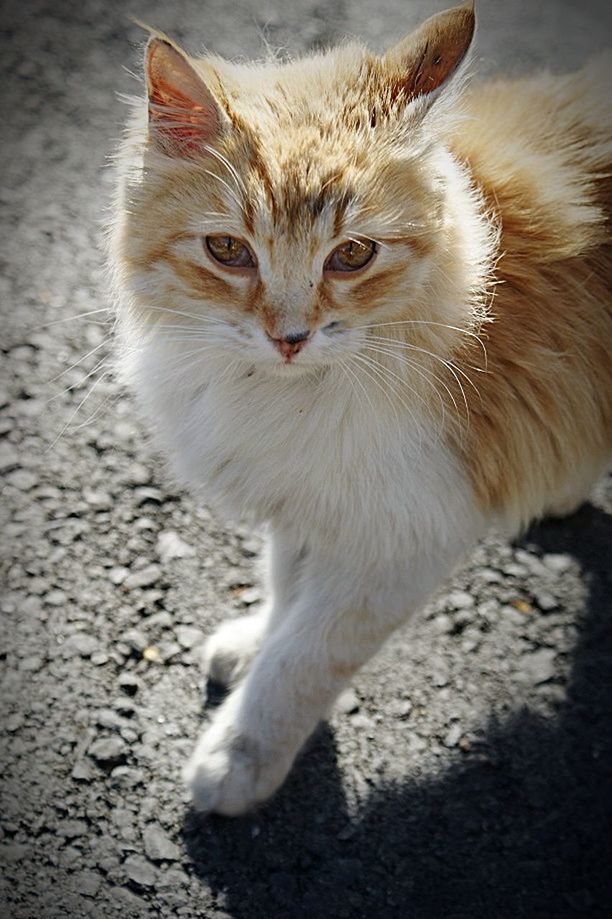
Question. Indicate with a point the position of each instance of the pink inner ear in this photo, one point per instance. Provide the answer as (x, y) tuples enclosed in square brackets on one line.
[(183, 115)]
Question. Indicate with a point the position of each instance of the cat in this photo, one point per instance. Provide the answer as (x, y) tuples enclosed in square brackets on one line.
[(367, 304)]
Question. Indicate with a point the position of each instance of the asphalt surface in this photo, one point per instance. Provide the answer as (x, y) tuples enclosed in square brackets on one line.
[(468, 772)]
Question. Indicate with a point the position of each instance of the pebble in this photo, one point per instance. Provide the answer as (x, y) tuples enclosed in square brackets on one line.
[(250, 595), (88, 883), (400, 708), (108, 751), (147, 495), (158, 846), (188, 636), (138, 870), (459, 599), (118, 575), (12, 853), (8, 458), (453, 736), (70, 829), (539, 666), (347, 702), (14, 723), (146, 577), (136, 639), (546, 601), (22, 479), (82, 644), (170, 546), (557, 563)]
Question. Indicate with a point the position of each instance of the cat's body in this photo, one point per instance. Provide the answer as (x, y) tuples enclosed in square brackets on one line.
[(381, 418)]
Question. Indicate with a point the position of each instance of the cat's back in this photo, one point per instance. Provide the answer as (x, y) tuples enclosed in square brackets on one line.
[(539, 150)]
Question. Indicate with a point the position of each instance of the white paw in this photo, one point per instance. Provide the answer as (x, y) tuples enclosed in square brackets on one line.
[(229, 651), (230, 772)]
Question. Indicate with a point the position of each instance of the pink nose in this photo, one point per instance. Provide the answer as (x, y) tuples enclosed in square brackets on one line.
[(290, 345)]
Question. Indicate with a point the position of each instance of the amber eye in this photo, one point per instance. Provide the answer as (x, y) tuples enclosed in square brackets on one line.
[(230, 251), (351, 255)]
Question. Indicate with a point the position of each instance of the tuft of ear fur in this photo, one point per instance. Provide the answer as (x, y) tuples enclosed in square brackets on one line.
[(184, 117), (425, 60)]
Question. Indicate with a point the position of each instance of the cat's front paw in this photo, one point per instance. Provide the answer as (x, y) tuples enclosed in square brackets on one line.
[(230, 650), (230, 772)]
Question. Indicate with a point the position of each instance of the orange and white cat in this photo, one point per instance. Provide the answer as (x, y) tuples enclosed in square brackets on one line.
[(368, 306)]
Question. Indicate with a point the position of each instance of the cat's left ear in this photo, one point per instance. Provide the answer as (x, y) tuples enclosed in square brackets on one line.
[(423, 63), (184, 117)]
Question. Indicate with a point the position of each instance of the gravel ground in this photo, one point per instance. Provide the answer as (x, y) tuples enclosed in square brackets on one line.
[(467, 773)]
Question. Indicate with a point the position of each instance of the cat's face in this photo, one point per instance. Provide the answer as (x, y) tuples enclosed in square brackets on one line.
[(284, 210)]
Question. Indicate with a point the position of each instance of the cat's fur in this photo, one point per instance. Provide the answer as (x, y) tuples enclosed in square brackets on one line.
[(466, 384)]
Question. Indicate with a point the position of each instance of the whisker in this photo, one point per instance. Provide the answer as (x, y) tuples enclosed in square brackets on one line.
[(422, 371), (78, 383), (373, 365), (105, 341), (91, 389), (45, 325)]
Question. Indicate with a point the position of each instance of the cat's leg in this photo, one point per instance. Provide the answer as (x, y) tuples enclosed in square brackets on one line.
[(334, 625), (231, 648)]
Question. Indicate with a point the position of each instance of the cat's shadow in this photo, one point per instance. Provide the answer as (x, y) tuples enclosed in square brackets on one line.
[(525, 832)]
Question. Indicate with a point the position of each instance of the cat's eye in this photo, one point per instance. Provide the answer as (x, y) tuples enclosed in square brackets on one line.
[(351, 255), (229, 251)]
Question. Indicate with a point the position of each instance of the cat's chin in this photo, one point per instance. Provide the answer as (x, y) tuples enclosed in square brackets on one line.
[(290, 371)]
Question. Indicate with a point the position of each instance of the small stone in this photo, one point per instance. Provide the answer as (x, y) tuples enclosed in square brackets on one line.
[(459, 599), (99, 658), (136, 640), (146, 577), (108, 751), (546, 602), (347, 702), (137, 474), (522, 606), (22, 479), (98, 499), (14, 723), (138, 870), (88, 883), (188, 636), (118, 575), (55, 598), (539, 666), (8, 458), (557, 563), (83, 771), (511, 613), (82, 644), (107, 718), (147, 495), (158, 846), (170, 545), (152, 654), (400, 708), (453, 736), (70, 829), (250, 595), (12, 853)]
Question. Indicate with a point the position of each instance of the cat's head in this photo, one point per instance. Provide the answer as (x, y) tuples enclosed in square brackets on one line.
[(280, 209)]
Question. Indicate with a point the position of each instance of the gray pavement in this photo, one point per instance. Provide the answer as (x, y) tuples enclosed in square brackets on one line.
[(467, 773)]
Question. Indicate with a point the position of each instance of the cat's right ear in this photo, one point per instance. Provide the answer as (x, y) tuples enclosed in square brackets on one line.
[(184, 117), (424, 62)]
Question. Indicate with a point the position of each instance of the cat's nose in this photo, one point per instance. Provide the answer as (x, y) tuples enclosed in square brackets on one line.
[(289, 345)]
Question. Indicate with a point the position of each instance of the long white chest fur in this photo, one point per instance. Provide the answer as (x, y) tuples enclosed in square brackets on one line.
[(334, 463)]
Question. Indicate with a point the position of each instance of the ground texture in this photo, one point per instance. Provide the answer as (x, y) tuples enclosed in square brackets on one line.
[(468, 771)]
